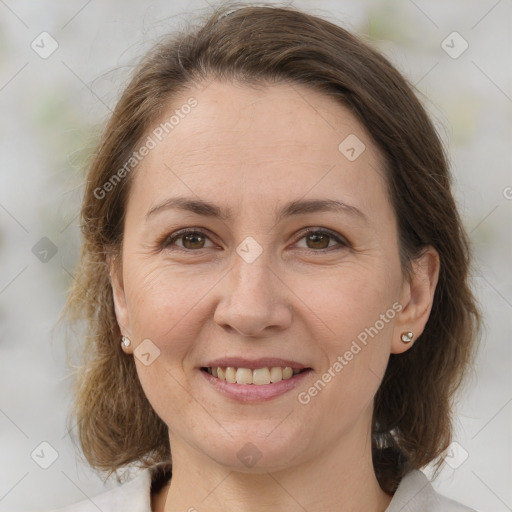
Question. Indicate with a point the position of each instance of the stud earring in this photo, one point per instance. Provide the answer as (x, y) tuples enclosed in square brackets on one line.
[(407, 336), (125, 341)]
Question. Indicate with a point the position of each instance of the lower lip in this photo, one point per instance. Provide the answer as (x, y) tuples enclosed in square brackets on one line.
[(253, 392)]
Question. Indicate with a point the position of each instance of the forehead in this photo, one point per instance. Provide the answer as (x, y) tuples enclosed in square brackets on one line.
[(283, 117), (264, 142)]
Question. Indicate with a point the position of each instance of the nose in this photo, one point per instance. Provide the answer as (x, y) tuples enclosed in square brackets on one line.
[(254, 300)]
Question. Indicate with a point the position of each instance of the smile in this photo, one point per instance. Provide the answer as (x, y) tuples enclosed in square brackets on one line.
[(256, 376), (256, 384)]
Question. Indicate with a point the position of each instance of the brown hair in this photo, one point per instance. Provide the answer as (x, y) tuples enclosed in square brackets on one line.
[(252, 44)]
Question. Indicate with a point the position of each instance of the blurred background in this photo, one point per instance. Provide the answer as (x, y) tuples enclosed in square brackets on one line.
[(62, 66)]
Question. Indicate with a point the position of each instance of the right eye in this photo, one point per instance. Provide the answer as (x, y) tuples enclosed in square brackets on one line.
[(191, 240)]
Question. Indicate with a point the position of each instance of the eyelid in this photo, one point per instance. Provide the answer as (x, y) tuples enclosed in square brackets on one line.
[(167, 240), (340, 239)]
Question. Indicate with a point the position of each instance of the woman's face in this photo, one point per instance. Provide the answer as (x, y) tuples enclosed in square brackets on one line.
[(293, 263)]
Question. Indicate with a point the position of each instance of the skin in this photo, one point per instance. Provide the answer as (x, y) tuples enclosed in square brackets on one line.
[(250, 150)]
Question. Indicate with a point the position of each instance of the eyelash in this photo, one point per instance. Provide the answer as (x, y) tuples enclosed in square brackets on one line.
[(170, 239)]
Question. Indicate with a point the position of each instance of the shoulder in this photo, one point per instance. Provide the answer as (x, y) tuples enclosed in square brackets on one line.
[(134, 495), (416, 494)]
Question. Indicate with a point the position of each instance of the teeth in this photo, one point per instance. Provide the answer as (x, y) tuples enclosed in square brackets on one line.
[(287, 372), (244, 376), (230, 374), (276, 374), (258, 376)]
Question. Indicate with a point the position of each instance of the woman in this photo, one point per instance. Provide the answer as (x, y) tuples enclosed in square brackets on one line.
[(275, 278)]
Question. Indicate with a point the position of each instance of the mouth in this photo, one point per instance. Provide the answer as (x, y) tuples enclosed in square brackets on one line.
[(254, 380), (253, 376)]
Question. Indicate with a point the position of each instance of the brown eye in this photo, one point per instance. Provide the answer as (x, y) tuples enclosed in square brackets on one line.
[(192, 240), (319, 240)]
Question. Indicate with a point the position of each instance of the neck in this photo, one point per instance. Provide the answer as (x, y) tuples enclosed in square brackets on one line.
[(341, 479)]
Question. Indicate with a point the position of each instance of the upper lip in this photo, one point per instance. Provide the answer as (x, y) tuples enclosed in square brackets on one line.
[(252, 364)]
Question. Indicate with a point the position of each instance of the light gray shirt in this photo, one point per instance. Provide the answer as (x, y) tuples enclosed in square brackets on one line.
[(414, 494)]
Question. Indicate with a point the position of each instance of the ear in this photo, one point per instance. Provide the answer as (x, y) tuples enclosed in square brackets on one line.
[(416, 299), (116, 280)]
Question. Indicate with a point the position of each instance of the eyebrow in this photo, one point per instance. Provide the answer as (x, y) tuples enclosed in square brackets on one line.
[(296, 207)]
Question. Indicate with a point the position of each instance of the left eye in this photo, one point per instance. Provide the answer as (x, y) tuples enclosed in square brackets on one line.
[(320, 239)]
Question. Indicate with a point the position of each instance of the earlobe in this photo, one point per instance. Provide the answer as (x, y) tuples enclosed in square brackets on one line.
[(417, 299), (118, 295)]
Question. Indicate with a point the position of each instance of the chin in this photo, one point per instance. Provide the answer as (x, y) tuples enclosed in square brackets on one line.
[(257, 454)]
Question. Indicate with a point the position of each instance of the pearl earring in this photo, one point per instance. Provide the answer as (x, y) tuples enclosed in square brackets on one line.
[(406, 337), (125, 341)]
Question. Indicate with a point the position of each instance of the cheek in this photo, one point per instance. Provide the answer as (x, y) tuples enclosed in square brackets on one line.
[(162, 299), (162, 304), (351, 300), (355, 312)]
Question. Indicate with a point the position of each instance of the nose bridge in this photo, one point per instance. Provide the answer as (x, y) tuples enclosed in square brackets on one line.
[(252, 280), (254, 299), (252, 264)]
